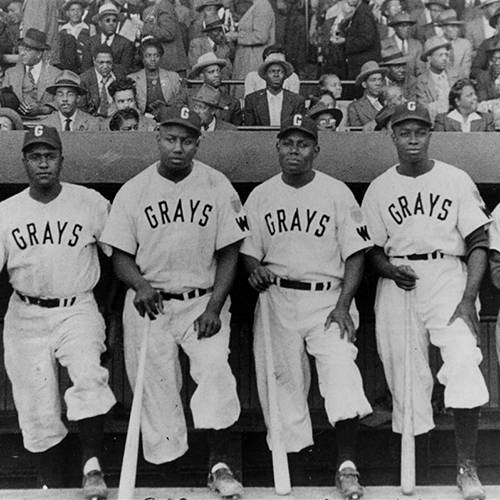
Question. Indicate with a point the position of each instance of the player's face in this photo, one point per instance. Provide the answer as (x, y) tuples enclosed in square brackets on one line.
[(177, 146), (151, 58), (411, 139), (467, 102), (108, 24), (65, 99), (296, 153), (211, 75), (125, 99), (43, 166), (75, 13), (103, 63), (275, 76)]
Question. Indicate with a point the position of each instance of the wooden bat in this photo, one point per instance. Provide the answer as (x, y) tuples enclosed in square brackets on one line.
[(281, 473), (129, 465), (407, 436)]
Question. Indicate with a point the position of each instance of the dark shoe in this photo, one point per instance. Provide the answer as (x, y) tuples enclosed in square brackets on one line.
[(468, 481), (94, 487), (347, 482), (225, 484)]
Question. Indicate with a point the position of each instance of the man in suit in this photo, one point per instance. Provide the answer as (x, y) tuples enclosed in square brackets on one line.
[(478, 29), (96, 81), (122, 49), (362, 112), (67, 117), (31, 76), (397, 72), (209, 67), (480, 61), (273, 105), (427, 26), (205, 103), (402, 41)]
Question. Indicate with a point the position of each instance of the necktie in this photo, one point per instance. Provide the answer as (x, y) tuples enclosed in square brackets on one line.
[(30, 75), (108, 40), (67, 127), (103, 98)]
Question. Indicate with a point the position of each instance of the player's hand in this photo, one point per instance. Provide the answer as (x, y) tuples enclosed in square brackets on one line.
[(207, 324), (148, 301), (342, 317), (466, 310), (261, 278), (405, 277)]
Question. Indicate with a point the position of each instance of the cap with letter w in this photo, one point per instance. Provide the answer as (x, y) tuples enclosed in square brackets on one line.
[(180, 115), (410, 110), (299, 122)]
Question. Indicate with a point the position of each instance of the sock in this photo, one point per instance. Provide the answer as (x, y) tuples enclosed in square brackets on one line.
[(466, 425), (49, 464), (90, 465), (346, 432), (218, 443), (91, 436)]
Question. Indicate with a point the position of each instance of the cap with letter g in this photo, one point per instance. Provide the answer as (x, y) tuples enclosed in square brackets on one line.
[(180, 115), (299, 122), (41, 134), (410, 110)]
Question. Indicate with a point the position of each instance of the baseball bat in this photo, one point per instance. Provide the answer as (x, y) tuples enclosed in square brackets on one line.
[(407, 436), (129, 464), (281, 474)]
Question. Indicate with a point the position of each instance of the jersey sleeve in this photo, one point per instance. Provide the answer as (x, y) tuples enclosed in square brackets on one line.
[(472, 212), (120, 229), (374, 221), (101, 212), (253, 245), (494, 230), (232, 223), (3, 243)]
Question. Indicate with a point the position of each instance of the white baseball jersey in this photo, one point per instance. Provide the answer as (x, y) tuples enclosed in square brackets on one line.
[(494, 229), (305, 233), (434, 211), (173, 229), (50, 248)]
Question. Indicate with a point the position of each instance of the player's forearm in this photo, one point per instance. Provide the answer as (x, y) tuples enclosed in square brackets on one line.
[(353, 274), (476, 267), (127, 271), (227, 259), (381, 263), (250, 263)]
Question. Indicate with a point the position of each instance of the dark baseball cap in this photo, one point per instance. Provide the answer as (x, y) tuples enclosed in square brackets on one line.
[(41, 134), (410, 110), (299, 122), (180, 115)]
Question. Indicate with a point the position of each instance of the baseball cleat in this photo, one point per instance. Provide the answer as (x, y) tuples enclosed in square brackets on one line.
[(347, 483), (468, 481), (223, 482), (94, 487)]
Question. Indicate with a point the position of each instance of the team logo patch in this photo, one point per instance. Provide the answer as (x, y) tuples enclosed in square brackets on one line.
[(236, 204), (356, 215)]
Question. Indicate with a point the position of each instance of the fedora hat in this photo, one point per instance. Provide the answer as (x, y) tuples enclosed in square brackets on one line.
[(432, 44), (321, 108), (208, 3), (449, 18), (213, 22), (402, 18), (369, 68), (67, 79), (35, 39), (107, 9), (205, 60), (209, 95), (392, 56), (275, 58)]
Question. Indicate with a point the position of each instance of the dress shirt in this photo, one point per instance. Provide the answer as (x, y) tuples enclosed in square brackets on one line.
[(63, 119), (374, 102), (464, 122), (36, 70), (107, 40), (275, 103), (442, 85), (111, 79)]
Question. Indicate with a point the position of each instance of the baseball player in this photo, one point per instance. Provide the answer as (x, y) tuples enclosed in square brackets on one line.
[(306, 252), (176, 230), (429, 225), (48, 240), (494, 258)]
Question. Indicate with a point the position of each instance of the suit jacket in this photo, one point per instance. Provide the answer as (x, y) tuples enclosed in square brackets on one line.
[(427, 95), (171, 87), (360, 112), (415, 66), (201, 45), (257, 110), (14, 78), (460, 59), (446, 124), (88, 80), (232, 109), (83, 122), (123, 52), (480, 62), (362, 42), (486, 88), (223, 125)]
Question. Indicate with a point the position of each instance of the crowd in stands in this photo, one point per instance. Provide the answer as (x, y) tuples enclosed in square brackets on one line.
[(86, 65)]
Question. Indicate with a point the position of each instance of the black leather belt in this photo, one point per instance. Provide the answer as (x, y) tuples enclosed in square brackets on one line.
[(192, 294), (422, 256), (37, 301), (317, 286)]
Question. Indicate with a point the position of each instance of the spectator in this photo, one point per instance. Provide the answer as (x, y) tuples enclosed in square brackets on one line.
[(463, 116), (130, 23), (363, 111), (161, 22), (404, 43), (10, 120), (433, 86), (75, 27), (427, 26), (488, 81), (124, 120), (480, 61), (362, 41), (121, 48), (96, 82), (392, 96), (478, 29), (397, 72), (10, 23), (209, 67), (67, 117), (156, 86), (213, 40), (31, 76), (205, 9), (273, 105), (256, 31), (254, 82), (205, 103), (460, 60), (326, 117), (388, 10), (332, 83)]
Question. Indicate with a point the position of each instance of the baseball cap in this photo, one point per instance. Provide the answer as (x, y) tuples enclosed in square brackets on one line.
[(41, 134), (180, 115), (410, 110), (299, 122)]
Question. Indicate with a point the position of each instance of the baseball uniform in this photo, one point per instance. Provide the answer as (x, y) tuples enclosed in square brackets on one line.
[(422, 222), (174, 230), (305, 235), (50, 250), (494, 235)]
